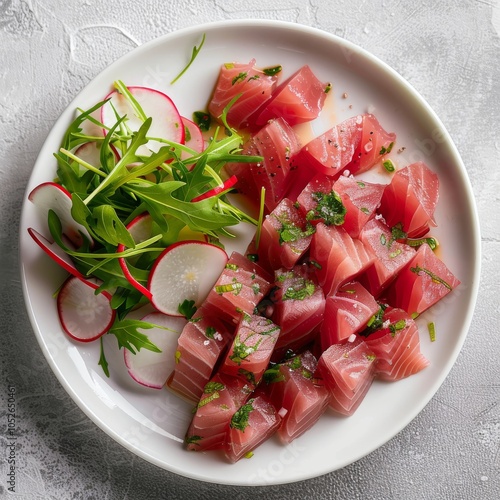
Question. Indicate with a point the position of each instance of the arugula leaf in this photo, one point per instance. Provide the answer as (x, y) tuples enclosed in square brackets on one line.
[(103, 362), (109, 226), (196, 51), (128, 336)]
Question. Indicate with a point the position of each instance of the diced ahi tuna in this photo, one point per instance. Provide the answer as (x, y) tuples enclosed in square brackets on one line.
[(285, 236), (373, 144), (421, 283), (346, 313), (252, 347), (200, 345), (254, 86), (301, 173), (299, 99), (299, 401), (252, 424), (391, 256), (221, 397), (347, 371), (245, 172), (239, 288), (410, 199), (276, 143), (298, 309), (360, 199), (397, 347), (321, 203), (339, 257), (333, 150)]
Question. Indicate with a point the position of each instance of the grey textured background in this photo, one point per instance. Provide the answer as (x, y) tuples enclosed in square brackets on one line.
[(448, 50)]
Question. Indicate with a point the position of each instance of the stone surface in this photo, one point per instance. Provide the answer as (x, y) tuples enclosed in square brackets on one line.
[(449, 51)]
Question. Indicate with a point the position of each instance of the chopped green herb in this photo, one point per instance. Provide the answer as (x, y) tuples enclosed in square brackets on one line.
[(178, 355), (250, 376), (395, 327), (272, 71), (386, 150), (212, 387), (193, 440), (290, 232), (432, 242), (241, 351), (435, 278), (328, 87), (329, 208), (383, 239), (317, 265), (254, 77), (203, 120), (273, 375), (252, 257), (248, 454), (208, 399), (432, 331), (361, 184), (187, 308), (234, 287), (394, 254), (371, 357), (365, 210), (233, 267), (210, 332), (239, 78), (388, 165), (300, 290), (240, 418), (256, 288)]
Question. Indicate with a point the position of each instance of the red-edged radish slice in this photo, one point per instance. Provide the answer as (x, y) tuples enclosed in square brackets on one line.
[(166, 124), (84, 315), (55, 252), (91, 153), (193, 138), (185, 271), (49, 195), (225, 186), (140, 230), (153, 368)]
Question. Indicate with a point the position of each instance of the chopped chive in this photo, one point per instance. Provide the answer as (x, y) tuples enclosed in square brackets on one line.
[(432, 331)]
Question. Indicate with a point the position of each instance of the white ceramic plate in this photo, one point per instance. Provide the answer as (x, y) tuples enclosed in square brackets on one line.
[(152, 423)]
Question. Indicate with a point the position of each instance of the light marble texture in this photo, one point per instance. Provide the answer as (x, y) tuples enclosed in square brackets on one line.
[(448, 50)]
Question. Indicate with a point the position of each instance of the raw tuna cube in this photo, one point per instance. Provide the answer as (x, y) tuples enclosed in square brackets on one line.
[(222, 396), (339, 257), (251, 349), (346, 312), (239, 288), (391, 256), (347, 371), (276, 143), (299, 99), (199, 347), (320, 203), (396, 346), (236, 78), (423, 282), (252, 424), (373, 144), (333, 150), (298, 309), (360, 199), (410, 199), (299, 401), (285, 236)]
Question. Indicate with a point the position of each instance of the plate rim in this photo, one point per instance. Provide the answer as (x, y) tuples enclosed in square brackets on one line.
[(465, 181)]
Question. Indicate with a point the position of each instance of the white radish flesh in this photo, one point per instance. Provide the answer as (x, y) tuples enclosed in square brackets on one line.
[(84, 315), (51, 196), (150, 368), (166, 120), (185, 271), (55, 252)]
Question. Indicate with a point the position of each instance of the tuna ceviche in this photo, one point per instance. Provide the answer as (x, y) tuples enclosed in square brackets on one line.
[(322, 302)]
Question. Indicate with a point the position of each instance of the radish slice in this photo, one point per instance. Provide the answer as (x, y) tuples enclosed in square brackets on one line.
[(225, 186), (194, 137), (149, 368), (140, 230), (167, 122), (50, 195), (186, 270), (91, 153), (84, 315), (55, 252)]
